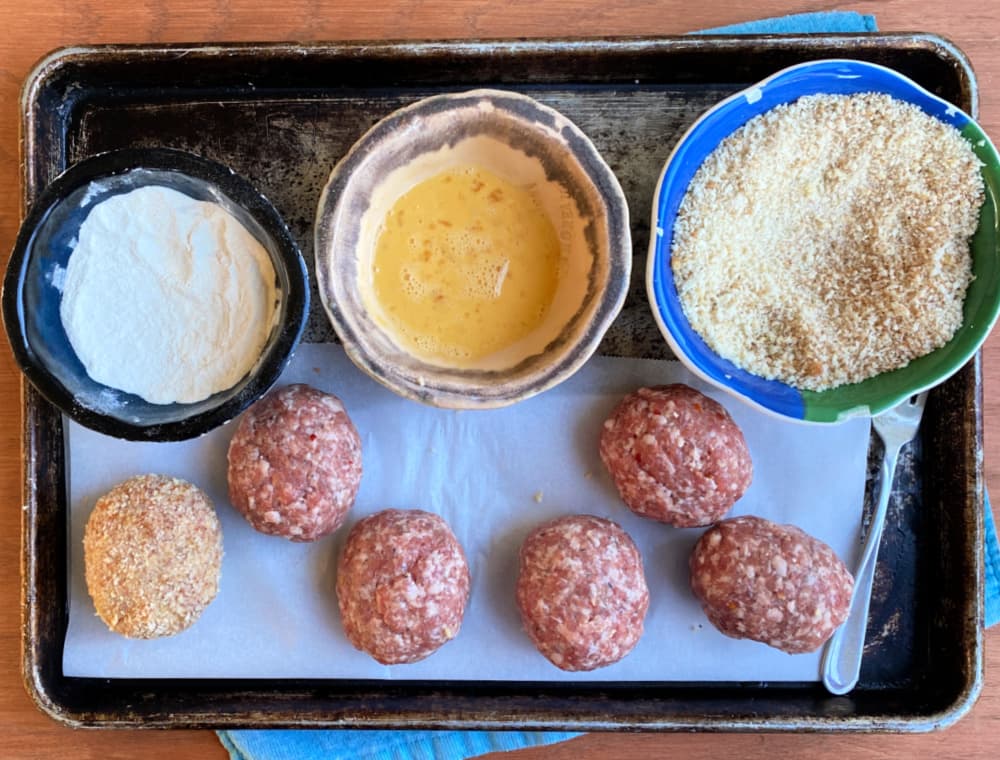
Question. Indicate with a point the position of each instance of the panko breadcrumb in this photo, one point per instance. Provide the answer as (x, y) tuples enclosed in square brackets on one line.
[(152, 556), (827, 240)]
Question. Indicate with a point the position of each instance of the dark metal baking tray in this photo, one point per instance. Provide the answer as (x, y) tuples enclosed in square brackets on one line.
[(282, 115)]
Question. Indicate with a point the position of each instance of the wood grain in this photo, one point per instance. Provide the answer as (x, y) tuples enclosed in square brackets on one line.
[(29, 30)]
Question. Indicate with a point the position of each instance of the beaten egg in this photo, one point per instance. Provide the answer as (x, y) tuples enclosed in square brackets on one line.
[(465, 265)]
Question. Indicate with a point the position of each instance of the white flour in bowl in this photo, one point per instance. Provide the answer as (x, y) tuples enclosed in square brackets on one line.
[(166, 297)]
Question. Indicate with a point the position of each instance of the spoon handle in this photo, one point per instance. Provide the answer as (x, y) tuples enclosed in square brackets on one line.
[(842, 658)]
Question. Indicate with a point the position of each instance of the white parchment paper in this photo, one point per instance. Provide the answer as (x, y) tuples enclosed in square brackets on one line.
[(493, 476)]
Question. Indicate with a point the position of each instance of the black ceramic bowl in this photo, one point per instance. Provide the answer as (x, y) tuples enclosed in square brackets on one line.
[(31, 293)]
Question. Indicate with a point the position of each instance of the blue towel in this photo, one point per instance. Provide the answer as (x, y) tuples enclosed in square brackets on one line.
[(802, 23), (378, 745), (992, 549), (456, 745)]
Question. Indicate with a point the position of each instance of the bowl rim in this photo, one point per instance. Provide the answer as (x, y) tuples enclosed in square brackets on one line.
[(123, 161), (608, 303), (656, 232)]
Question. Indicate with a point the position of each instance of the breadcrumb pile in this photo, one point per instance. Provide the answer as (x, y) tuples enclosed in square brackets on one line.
[(827, 240)]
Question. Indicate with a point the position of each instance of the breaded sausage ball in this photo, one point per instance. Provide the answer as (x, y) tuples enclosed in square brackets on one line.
[(152, 556)]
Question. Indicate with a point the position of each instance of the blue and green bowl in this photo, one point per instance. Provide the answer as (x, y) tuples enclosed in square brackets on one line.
[(879, 393)]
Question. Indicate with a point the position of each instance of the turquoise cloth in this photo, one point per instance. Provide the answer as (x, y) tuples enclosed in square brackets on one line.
[(456, 745), (378, 745), (992, 549), (802, 23)]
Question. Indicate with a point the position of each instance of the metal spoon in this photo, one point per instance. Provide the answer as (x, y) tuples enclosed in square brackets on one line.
[(842, 658)]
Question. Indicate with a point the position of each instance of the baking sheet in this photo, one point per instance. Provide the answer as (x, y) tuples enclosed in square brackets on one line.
[(494, 476)]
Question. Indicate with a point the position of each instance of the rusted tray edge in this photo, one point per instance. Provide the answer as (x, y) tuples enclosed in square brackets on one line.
[(37, 417), (50, 63)]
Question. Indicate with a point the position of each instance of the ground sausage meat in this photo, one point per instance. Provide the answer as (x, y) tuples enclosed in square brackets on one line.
[(772, 583), (402, 585), (582, 592), (676, 455), (295, 464), (152, 556)]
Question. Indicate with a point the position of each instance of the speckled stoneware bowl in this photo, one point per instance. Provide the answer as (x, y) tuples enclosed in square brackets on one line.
[(877, 394), (32, 292), (525, 143)]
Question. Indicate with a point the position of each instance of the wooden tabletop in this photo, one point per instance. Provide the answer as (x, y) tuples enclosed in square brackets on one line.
[(29, 29)]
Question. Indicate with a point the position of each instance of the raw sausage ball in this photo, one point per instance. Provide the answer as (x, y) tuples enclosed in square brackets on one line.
[(402, 585), (676, 455), (582, 592), (295, 464), (772, 583), (152, 556)]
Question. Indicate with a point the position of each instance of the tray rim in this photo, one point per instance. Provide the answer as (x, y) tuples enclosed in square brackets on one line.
[(32, 404), (49, 63)]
